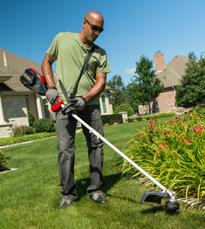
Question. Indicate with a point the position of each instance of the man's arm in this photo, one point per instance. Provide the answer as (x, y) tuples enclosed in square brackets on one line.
[(97, 88), (46, 67)]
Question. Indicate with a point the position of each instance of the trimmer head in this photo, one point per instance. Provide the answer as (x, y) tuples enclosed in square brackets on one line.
[(153, 197), (171, 206)]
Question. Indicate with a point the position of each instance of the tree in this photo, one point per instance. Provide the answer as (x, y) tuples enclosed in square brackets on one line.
[(149, 86), (117, 85), (133, 95), (126, 107), (192, 90)]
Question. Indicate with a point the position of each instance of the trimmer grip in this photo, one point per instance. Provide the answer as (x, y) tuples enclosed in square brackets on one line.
[(57, 105)]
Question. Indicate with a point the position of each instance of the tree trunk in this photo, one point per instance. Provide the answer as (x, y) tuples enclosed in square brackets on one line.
[(154, 106), (150, 110)]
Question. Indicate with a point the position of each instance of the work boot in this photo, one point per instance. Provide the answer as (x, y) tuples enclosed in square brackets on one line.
[(68, 199), (98, 197)]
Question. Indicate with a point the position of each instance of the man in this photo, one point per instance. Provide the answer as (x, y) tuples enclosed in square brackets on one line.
[(69, 50)]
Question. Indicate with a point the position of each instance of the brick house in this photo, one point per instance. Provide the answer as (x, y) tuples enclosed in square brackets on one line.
[(16, 100), (170, 75)]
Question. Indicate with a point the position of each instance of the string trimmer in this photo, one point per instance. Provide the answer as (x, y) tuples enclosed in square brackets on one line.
[(172, 204)]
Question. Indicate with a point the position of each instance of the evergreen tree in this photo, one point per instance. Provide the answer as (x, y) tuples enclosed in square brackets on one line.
[(117, 85), (133, 95), (192, 90), (149, 86)]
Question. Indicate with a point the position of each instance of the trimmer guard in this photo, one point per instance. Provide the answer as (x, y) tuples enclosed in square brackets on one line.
[(153, 197)]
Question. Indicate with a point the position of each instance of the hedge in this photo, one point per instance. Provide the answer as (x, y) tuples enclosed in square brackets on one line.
[(3, 162), (111, 119)]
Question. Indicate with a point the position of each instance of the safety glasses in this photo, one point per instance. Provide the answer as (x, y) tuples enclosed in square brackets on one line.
[(94, 27)]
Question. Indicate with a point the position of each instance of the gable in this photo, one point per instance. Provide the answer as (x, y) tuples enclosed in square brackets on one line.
[(15, 67), (4, 87), (173, 72)]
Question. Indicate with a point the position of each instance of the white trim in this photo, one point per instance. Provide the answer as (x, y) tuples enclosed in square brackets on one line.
[(100, 101), (5, 60), (2, 120), (40, 109)]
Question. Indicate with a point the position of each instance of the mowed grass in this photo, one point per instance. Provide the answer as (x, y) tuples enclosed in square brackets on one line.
[(29, 197)]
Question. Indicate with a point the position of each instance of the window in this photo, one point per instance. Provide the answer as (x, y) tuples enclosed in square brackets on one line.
[(103, 104)]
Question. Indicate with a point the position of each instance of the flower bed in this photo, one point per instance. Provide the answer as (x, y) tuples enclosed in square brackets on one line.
[(173, 152)]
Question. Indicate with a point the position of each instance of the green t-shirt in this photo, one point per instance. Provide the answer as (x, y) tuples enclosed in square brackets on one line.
[(69, 53)]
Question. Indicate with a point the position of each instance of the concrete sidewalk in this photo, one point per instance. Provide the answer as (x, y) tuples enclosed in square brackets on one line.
[(28, 142), (24, 143)]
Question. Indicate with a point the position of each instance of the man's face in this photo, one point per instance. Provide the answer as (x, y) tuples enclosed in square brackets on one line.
[(92, 28)]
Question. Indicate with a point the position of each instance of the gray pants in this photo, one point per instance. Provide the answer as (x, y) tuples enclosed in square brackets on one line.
[(65, 128)]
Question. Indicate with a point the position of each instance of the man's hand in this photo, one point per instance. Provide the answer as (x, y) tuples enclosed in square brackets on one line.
[(51, 95), (77, 104)]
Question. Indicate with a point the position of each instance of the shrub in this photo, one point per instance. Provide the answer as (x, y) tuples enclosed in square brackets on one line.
[(31, 119), (22, 130), (150, 116), (124, 107), (24, 138), (44, 125), (111, 119), (157, 115), (135, 118), (172, 152), (3, 162)]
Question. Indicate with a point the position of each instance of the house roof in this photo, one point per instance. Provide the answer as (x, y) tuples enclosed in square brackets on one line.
[(3, 73), (4, 76), (15, 66), (173, 72)]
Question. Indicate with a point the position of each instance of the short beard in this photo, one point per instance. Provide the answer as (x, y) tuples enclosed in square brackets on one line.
[(92, 39)]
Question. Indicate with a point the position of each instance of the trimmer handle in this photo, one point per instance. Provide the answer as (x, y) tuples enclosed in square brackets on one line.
[(67, 109)]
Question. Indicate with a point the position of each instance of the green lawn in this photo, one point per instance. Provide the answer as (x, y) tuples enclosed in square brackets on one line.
[(29, 197)]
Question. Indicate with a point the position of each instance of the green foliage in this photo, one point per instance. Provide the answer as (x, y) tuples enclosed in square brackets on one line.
[(111, 119), (133, 95), (192, 90), (24, 138), (29, 197), (172, 152), (117, 86), (151, 116), (149, 85), (31, 119), (22, 130), (145, 87), (3, 162), (158, 115), (124, 107), (44, 125)]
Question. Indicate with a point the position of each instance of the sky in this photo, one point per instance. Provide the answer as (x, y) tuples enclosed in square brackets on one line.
[(132, 28)]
